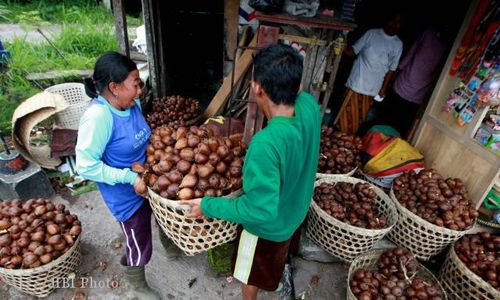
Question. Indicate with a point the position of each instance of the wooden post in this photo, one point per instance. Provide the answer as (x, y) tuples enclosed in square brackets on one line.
[(333, 73), (121, 26), (154, 44), (231, 8)]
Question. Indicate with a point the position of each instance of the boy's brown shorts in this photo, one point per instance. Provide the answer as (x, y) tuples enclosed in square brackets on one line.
[(261, 262)]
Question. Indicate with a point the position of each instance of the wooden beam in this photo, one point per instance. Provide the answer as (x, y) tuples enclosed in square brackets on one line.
[(241, 67), (121, 26), (243, 40), (316, 22)]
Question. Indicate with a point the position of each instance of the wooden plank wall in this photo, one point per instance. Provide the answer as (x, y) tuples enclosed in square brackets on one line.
[(450, 148)]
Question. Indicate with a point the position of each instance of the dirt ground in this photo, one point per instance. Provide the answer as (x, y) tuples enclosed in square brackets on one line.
[(185, 278)]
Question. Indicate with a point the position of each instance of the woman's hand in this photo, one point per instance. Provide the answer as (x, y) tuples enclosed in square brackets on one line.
[(140, 186)]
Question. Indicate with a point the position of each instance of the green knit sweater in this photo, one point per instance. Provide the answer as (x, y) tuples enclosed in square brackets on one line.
[(278, 176)]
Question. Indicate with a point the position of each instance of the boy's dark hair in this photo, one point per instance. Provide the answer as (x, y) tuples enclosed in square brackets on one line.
[(278, 69), (110, 67)]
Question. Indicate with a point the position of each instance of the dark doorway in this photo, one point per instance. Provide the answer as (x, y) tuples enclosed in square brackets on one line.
[(416, 16), (193, 33)]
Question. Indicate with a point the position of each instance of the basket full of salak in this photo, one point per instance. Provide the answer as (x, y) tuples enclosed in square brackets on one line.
[(187, 163), (472, 268), (339, 153), (391, 274), (433, 212), (174, 111), (348, 216), (39, 244)]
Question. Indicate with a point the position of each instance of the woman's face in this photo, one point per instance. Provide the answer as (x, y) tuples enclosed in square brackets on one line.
[(128, 90)]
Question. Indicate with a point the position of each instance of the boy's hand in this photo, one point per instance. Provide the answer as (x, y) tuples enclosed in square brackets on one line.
[(195, 211)]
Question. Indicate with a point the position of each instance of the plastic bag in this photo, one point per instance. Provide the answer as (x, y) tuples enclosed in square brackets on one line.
[(268, 6), (305, 8), (140, 41)]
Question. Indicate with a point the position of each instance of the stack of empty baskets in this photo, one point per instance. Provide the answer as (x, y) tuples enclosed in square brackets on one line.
[(74, 94)]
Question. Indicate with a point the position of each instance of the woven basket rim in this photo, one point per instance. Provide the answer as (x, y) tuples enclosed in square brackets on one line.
[(175, 204), (167, 209), (416, 218), (66, 85), (169, 202), (43, 268), (471, 275), (338, 223), (350, 173), (377, 253)]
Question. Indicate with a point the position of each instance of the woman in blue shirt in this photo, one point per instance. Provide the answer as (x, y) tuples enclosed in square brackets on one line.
[(112, 135)]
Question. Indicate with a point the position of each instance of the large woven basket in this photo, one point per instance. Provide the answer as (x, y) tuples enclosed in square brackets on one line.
[(43, 280), (192, 236), (369, 261), (419, 236), (341, 239), (461, 283), (326, 175), (74, 94)]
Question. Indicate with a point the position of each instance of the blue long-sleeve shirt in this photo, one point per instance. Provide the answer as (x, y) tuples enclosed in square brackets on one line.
[(109, 141)]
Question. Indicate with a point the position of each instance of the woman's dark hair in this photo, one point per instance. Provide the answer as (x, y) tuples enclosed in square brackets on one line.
[(110, 67), (278, 69)]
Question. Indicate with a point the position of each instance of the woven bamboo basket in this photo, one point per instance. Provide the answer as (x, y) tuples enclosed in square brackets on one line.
[(326, 175), (192, 236), (43, 280), (369, 262), (343, 240), (461, 283), (419, 236)]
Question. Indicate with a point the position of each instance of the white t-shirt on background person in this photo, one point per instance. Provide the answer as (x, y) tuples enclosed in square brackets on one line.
[(377, 53)]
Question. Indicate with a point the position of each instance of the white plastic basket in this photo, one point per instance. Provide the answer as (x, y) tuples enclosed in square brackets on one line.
[(74, 94)]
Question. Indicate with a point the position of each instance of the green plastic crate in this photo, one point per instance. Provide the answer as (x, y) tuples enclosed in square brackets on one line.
[(492, 200)]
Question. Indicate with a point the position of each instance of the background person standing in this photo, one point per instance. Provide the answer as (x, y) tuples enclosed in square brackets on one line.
[(414, 80), (378, 52)]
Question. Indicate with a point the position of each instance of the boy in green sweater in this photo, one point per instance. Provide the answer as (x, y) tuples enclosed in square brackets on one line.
[(278, 174)]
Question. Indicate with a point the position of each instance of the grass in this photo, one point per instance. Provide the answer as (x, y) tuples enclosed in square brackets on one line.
[(57, 12), (87, 31)]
